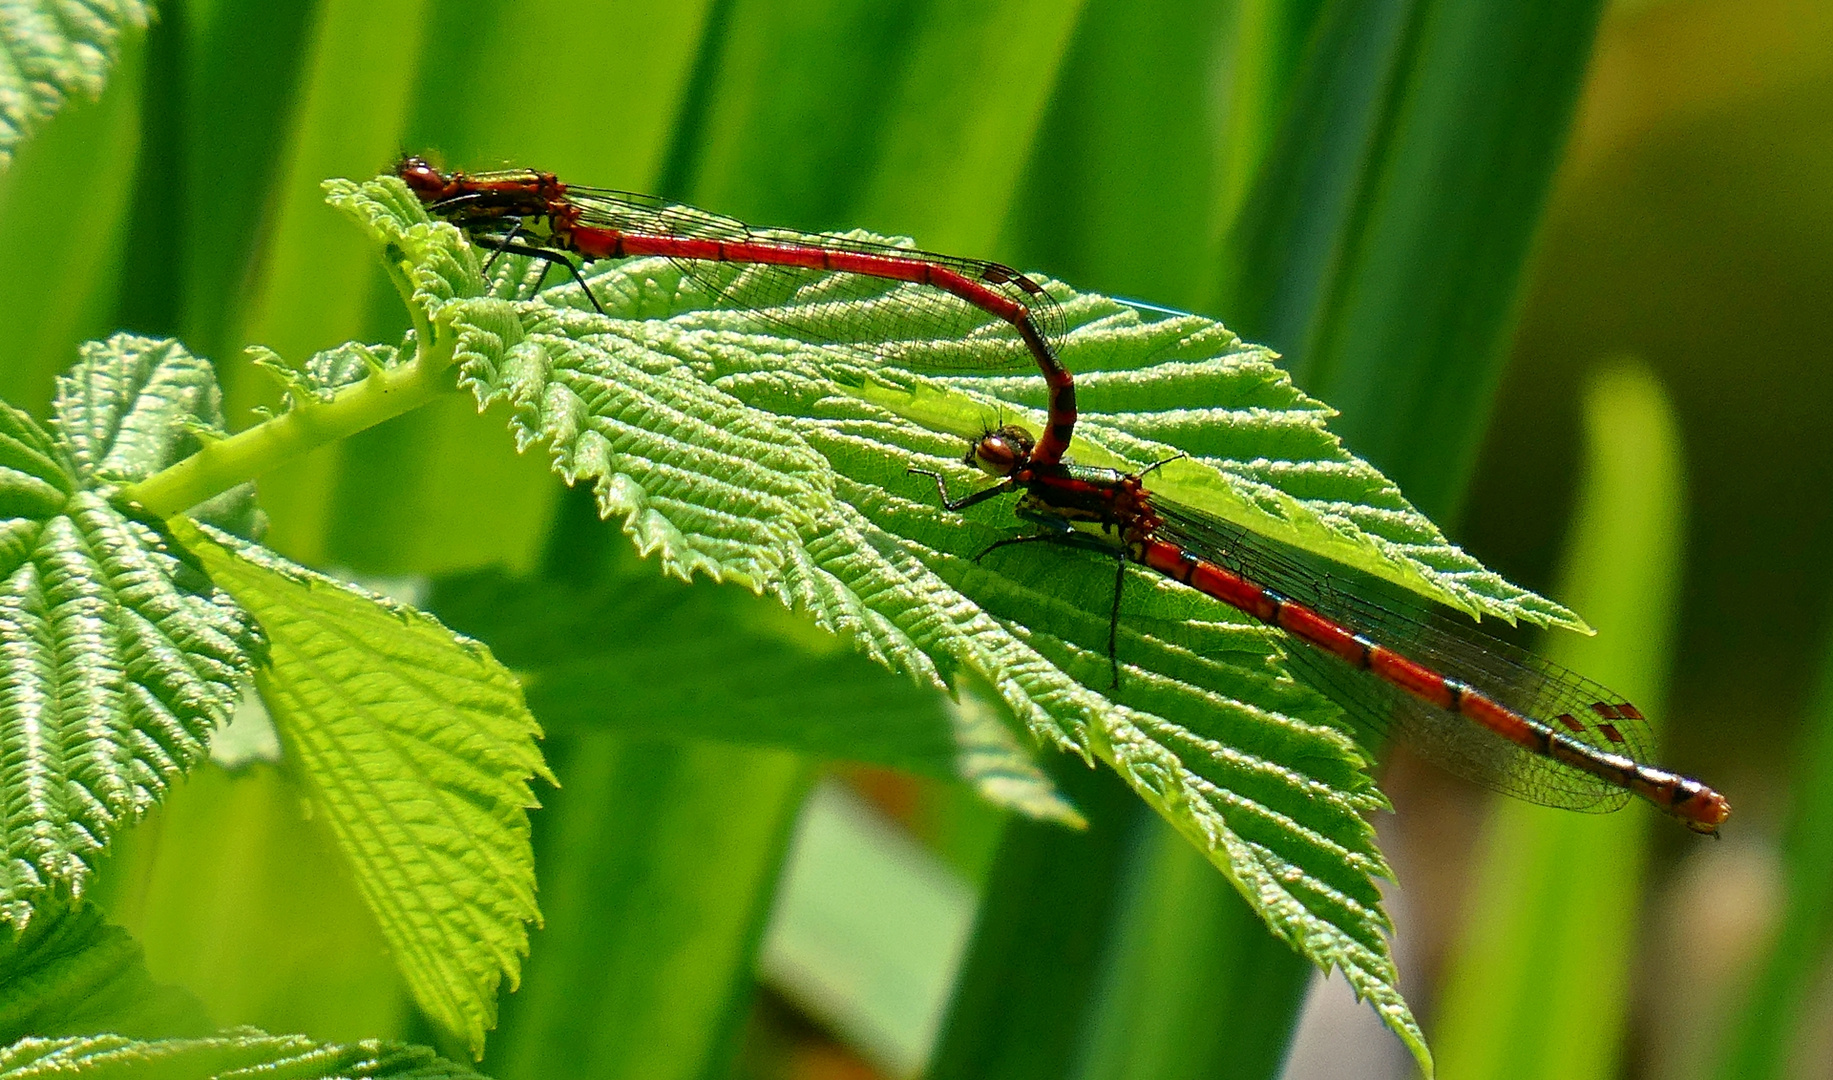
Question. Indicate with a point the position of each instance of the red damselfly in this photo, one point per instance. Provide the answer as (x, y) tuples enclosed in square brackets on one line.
[(1479, 706), (1001, 316)]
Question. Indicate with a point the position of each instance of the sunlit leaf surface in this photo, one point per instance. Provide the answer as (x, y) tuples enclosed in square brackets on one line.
[(759, 679), (117, 655), (415, 745), (244, 1054)]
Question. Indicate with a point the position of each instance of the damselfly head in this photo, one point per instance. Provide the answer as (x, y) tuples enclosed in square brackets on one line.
[(1002, 451), (423, 179)]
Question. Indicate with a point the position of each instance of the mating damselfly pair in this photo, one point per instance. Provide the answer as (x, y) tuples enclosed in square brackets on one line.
[(1476, 705)]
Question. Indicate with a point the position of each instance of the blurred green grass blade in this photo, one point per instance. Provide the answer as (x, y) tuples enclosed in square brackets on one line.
[(1383, 249), (1267, 41), (416, 746), (1476, 136), (72, 972), (658, 864), (1020, 1007), (150, 247), (404, 496), (244, 61), (1194, 988), (401, 495), (867, 930), (313, 289), (1765, 1033), (482, 61), (50, 52), (316, 279), (63, 208), (794, 99), (242, 900), (1540, 985), (1161, 117), (915, 119), (1284, 247), (959, 127)]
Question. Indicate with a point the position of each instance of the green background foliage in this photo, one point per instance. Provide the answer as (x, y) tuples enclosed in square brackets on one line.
[(1362, 186)]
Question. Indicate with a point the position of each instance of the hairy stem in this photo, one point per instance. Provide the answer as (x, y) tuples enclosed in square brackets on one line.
[(307, 426)]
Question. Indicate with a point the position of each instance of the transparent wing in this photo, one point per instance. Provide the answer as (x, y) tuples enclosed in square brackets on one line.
[(1448, 644)]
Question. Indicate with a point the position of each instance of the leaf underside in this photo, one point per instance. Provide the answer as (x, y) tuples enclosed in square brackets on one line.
[(117, 656), (727, 448), (415, 747)]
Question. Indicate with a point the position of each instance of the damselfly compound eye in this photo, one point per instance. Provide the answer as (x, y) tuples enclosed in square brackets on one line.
[(421, 178), (1002, 451)]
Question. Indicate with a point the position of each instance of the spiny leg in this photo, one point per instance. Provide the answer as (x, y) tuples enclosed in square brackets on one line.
[(964, 501), (1179, 456), (1010, 540), (1077, 540), (1113, 623), (553, 258), (502, 244)]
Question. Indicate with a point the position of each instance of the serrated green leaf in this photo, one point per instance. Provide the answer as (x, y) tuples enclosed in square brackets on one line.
[(735, 451), (437, 269), (327, 372), (50, 50), (123, 408), (241, 1054), (415, 745), (658, 864), (71, 972), (133, 405), (117, 658)]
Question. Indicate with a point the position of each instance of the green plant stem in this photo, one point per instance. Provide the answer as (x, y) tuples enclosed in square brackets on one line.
[(307, 426)]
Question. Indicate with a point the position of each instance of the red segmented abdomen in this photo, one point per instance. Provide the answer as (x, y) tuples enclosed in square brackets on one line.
[(1121, 502), (1332, 637), (1207, 577), (1060, 426), (1505, 722), (1700, 807), (1413, 677)]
